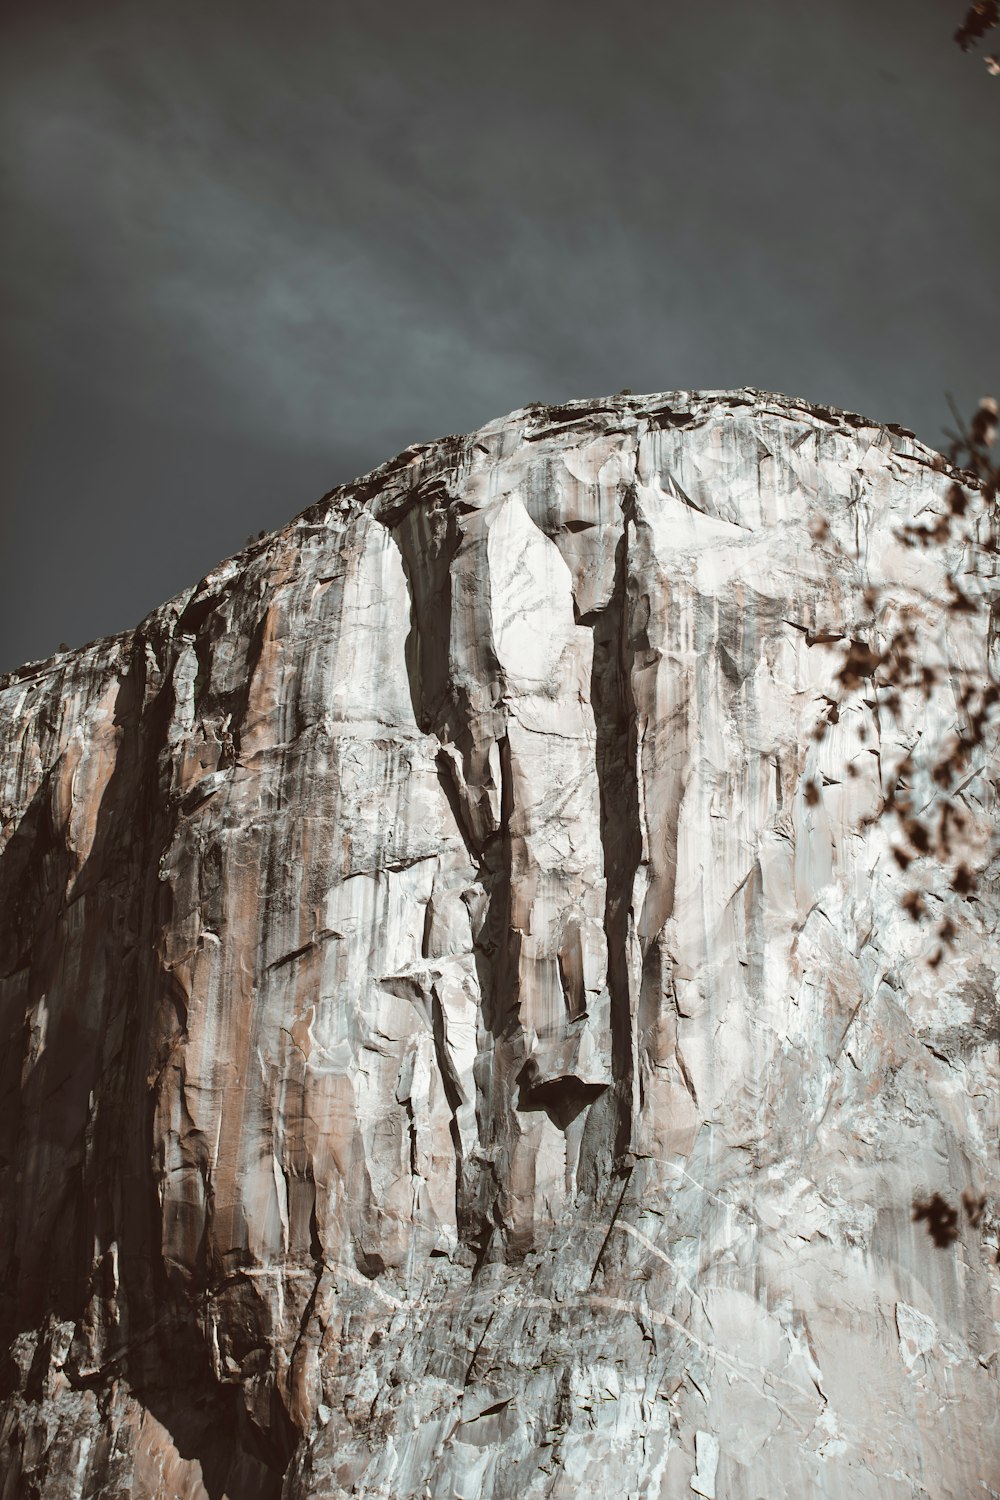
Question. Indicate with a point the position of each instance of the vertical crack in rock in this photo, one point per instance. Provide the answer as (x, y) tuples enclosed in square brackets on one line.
[(472, 763), (617, 763), (456, 1099)]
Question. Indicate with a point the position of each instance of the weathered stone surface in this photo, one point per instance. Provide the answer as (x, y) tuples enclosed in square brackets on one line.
[(445, 1053)]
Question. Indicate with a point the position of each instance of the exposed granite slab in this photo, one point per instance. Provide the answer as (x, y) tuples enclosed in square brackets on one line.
[(446, 1054)]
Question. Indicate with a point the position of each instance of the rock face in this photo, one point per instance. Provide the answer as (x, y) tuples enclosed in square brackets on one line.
[(446, 1052)]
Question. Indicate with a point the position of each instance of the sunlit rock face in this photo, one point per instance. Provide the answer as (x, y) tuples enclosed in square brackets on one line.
[(449, 1050)]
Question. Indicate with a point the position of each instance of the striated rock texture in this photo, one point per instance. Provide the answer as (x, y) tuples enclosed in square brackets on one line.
[(445, 1051)]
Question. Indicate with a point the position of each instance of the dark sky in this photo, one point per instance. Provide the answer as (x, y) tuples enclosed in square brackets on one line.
[(253, 249)]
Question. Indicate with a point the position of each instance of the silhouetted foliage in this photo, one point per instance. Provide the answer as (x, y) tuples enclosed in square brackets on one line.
[(941, 1218), (889, 666), (979, 19), (974, 1207)]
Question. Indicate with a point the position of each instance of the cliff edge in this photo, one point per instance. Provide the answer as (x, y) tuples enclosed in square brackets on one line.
[(445, 1051)]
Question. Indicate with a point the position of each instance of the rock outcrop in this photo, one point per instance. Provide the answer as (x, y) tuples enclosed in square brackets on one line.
[(446, 1052)]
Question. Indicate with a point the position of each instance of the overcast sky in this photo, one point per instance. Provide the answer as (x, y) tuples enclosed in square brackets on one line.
[(253, 249)]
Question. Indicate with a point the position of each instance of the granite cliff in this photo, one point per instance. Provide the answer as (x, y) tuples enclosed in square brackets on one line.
[(446, 1053)]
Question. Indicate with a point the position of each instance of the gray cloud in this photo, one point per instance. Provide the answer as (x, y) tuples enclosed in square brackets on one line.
[(255, 249)]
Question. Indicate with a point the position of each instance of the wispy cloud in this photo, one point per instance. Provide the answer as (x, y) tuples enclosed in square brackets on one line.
[(344, 229)]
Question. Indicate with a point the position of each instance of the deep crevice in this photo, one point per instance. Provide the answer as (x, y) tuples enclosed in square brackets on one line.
[(621, 838)]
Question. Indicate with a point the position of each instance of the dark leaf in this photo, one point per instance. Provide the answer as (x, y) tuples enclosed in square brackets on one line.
[(917, 834), (979, 19), (942, 773), (913, 904), (860, 662), (960, 602), (974, 1207), (941, 1218)]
